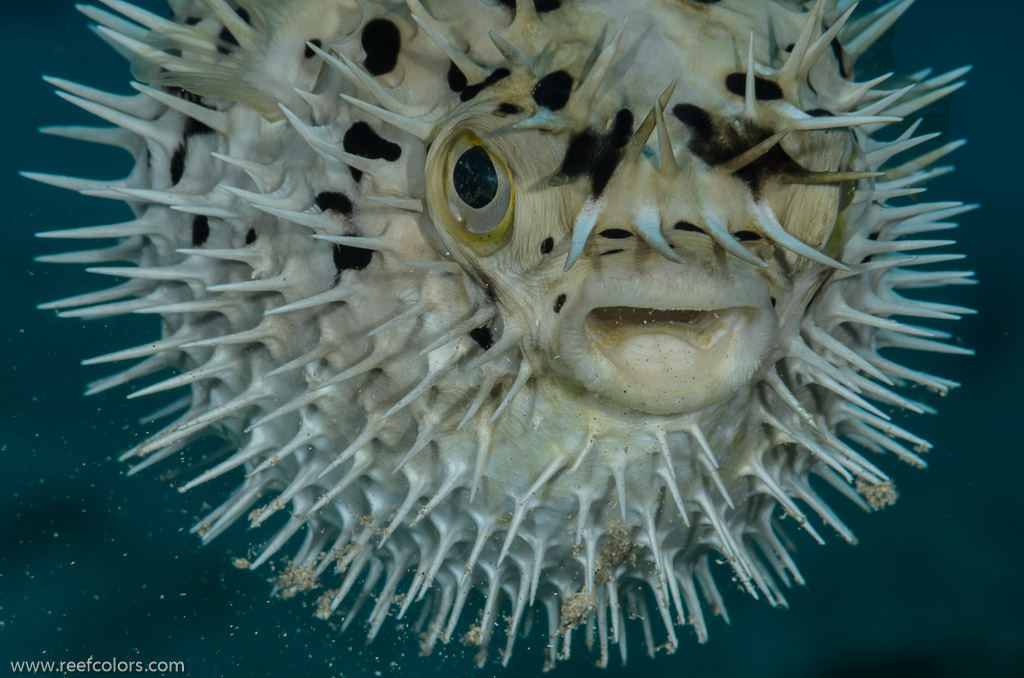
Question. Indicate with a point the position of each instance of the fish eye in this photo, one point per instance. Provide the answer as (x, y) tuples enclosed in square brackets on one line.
[(480, 196), (475, 178)]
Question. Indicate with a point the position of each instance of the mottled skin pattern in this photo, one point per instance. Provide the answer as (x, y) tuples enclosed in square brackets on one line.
[(516, 307)]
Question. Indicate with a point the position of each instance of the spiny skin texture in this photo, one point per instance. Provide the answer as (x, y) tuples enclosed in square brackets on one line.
[(508, 308)]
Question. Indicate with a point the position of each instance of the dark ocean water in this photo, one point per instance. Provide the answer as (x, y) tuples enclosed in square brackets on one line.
[(96, 564)]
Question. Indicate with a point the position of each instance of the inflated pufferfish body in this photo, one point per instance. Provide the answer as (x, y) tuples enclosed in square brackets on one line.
[(542, 303)]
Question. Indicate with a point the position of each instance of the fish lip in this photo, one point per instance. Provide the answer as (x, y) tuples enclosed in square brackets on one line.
[(680, 375), (603, 323), (686, 293)]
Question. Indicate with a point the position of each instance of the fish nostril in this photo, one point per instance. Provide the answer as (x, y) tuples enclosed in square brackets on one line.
[(687, 227), (615, 234)]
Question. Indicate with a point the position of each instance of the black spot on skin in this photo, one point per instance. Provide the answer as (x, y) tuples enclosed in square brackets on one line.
[(605, 254), (716, 142), (579, 153), (361, 140), (687, 227), (200, 230), (696, 118), (765, 90), (348, 258), (193, 128), (595, 155), (382, 42), (508, 109), (552, 91), (608, 154), (178, 163), (559, 303), (334, 201), (483, 337), (746, 236), (615, 233), (250, 237), (192, 20), (309, 53), (622, 128), (225, 36), (456, 78), (357, 175), (496, 75), (547, 246), (243, 15)]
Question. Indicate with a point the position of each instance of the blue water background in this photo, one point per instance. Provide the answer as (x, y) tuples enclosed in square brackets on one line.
[(96, 564)]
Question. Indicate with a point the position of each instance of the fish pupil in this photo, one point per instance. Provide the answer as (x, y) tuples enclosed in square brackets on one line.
[(475, 179)]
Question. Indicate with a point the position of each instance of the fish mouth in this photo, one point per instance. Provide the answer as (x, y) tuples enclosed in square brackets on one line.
[(658, 345), (667, 344)]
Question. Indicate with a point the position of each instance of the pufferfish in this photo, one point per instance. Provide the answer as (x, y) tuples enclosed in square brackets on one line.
[(518, 313)]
